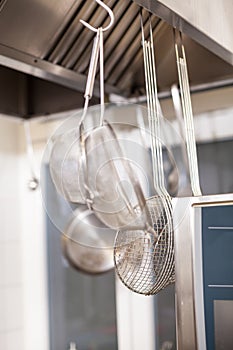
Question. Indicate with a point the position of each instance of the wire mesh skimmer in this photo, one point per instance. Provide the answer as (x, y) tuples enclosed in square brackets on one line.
[(144, 259)]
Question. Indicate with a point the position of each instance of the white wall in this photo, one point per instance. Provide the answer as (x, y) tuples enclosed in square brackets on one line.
[(33, 264), (23, 299), (11, 281)]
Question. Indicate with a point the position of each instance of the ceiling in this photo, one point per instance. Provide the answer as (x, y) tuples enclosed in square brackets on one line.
[(45, 53)]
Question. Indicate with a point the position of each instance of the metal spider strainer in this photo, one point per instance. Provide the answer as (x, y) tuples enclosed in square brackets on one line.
[(144, 259)]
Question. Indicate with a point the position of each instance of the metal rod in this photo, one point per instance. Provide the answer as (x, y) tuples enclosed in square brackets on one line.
[(193, 89), (187, 114), (101, 76)]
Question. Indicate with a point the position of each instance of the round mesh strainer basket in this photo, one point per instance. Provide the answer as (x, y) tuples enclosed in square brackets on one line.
[(143, 257)]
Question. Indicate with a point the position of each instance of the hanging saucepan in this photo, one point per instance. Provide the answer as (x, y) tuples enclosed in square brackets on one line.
[(88, 244)]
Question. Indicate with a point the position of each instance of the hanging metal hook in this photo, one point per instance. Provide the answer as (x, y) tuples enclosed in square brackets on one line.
[(110, 14), (33, 183)]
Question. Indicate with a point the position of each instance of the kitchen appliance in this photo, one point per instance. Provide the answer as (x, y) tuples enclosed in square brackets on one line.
[(204, 272), (203, 250)]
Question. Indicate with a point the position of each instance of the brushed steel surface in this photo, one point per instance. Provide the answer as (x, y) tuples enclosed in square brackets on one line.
[(115, 34), (70, 34), (184, 288), (99, 17), (207, 23), (2, 4), (189, 299), (223, 320), (214, 19), (197, 260), (45, 39), (31, 26), (46, 70)]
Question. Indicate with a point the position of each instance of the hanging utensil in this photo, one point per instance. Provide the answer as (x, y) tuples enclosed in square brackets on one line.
[(144, 260), (33, 183), (106, 170), (67, 158), (184, 172), (85, 147), (88, 256), (187, 113), (127, 135), (114, 189), (166, 239), (88, 244)]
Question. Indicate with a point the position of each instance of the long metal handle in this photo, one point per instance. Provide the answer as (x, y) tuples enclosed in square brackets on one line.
[(97, 50), (179, 116), (188, 118), (91, 75), (153, 113), (101, 77), (150, 108), (93, 65)]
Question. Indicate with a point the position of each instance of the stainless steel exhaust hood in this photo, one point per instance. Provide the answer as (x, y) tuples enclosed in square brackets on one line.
[(45, 51)]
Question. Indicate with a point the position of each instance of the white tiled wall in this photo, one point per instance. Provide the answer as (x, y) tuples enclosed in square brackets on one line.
[(10, 263), (11, 277), (23, 298)]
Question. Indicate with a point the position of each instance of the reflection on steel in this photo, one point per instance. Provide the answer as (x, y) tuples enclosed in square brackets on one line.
[(60, 51), (177, 21), (188, 261)]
